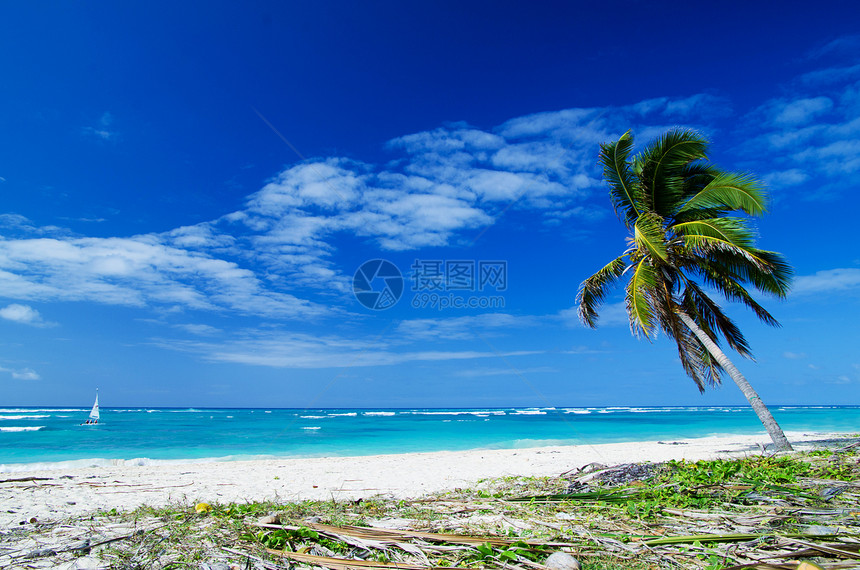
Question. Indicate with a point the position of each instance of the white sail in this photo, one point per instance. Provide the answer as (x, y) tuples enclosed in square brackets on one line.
[(94, 414)]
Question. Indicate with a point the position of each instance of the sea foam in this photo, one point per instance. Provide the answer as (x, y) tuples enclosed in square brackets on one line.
[(36, 416)]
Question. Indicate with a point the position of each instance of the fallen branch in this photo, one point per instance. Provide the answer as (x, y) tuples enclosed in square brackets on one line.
[(813, 549), (21, 479), (348, 563)]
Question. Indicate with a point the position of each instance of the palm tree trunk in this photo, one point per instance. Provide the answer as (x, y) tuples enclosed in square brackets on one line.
[(773, 429)]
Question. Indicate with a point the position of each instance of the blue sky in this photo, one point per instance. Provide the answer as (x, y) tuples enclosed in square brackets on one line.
[(188, 190)]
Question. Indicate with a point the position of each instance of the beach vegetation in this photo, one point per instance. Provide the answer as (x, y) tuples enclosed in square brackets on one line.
[(690, 233), (712, 514)]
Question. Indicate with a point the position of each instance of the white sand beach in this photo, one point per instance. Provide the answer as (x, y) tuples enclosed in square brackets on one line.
[(57, 494)]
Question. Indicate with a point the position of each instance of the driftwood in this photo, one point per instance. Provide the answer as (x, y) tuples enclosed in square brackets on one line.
[(22, 479)]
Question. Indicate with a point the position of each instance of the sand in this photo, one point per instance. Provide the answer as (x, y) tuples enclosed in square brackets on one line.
[(73, 493)]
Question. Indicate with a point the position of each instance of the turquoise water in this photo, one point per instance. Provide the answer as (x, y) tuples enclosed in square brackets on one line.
[(54, 438)]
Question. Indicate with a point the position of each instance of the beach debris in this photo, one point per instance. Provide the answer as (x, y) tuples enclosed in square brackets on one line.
[(562, 561), (751, 513), (584, 470), (40, 552), (343, 563), (614, 476), (24, 479), (848, 447), (829, 492)]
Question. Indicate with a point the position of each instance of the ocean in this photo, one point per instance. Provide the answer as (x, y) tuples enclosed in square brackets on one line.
[(52, 438)]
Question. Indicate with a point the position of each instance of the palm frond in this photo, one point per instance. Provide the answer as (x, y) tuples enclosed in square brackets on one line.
[(640, 290), (695, 358), (734, 291), (649, 236), (706, 247), (709, 368), (593, 290), (709, 316), (622, 184), (767, 271), (697, 175), (777, 280), (730, 191), (696, 361), (663, 163), (735, 231)]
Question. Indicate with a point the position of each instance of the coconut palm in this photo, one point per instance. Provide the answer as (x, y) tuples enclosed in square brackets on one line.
[(677, 208)]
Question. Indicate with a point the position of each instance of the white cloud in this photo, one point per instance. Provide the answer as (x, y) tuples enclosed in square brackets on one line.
[(324, 184), (793, 355), (830, 75), (462, 328), (699, 106), (793, 138), (610, 314), (263, 258), (815, 133), (137, 271), (844, 45), (800, 111), (569, 125), (445, 181), (841, 279), (22, 374), (102, 129), (23, 314), (296, 350), (17, 224), (582, 350), (784, 178), (838, 157), (453, 139), (481, 372), (198, 329)]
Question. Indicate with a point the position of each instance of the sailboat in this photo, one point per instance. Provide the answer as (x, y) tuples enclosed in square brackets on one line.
[(94, 413)]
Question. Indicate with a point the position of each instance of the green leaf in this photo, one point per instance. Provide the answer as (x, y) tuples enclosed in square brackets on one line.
[(616, 171), (639, 292), (485, 550), (649, 235), (731, 230), (664, 163), (709, 316), (593, 290), (730, 191)]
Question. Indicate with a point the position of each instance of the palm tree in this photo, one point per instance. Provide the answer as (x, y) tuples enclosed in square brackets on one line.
[(677, 208)]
